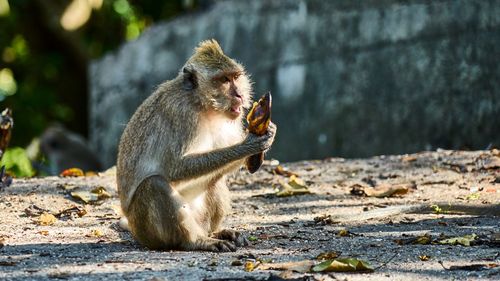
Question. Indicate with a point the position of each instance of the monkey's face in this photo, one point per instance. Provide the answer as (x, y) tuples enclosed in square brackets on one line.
[(220, 82), (232, 93)]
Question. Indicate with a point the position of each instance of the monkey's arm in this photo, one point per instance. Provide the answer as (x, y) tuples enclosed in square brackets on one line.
[(199, 164)]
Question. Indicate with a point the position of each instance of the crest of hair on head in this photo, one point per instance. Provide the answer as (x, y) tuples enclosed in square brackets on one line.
[(210, 54)]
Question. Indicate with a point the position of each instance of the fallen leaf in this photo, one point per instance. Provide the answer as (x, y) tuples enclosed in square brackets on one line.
[(46, 219), (343, 233), (34, 211), (96, 194), (382, 190), (295, 186), (424, 257), (327, 256), (343, 265), (473, 196), (408, 158), (436, 209), (90, 174), (465, 240), (71, 212), (252, 238), (96, 233), (324, 220), (8, 263), (279, 170), (72, 172), (43, 232), (249, 266), (297, 266), (66, 186), (424, 239)]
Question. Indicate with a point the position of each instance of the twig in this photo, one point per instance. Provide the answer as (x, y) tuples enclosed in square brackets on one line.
[(387, 262)]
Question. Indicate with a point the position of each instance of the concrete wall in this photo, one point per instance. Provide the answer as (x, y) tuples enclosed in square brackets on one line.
[(349, 79)]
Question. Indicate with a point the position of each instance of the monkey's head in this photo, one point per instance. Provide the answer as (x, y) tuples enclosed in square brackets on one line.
[(219, 82)]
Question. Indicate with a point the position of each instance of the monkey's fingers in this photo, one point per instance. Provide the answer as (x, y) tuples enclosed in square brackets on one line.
[(259, 116), (232, 235), (225, 246)]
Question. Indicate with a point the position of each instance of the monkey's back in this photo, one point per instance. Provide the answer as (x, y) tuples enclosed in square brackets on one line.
[(151, 140)]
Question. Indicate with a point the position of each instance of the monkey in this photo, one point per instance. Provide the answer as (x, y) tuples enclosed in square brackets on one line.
[(177, 149), (65, 149)]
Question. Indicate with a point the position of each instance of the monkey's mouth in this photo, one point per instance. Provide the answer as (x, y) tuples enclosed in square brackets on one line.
[(236, 109)]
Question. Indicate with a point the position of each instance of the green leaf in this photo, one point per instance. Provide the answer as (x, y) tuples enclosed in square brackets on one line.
[(252, 238), (16, 162), (343, 265)]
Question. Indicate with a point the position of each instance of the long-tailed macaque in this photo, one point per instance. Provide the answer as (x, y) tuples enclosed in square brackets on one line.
[(177, 149)]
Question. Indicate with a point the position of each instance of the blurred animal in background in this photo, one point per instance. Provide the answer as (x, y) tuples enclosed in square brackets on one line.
[(64, 149), (6, 125)]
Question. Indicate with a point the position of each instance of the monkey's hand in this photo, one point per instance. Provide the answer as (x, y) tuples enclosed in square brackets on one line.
[(257, 144)]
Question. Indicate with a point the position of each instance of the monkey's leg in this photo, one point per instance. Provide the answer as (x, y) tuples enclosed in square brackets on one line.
[(160, 219), (219, 198)]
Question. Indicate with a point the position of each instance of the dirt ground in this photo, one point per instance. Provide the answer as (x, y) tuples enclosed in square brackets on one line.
[(281, 229)]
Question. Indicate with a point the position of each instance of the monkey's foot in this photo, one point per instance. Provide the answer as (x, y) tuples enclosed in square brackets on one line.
[(232, 235), (213, 245)]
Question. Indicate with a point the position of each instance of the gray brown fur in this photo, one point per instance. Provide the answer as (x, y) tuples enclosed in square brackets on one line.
[(155, 158)]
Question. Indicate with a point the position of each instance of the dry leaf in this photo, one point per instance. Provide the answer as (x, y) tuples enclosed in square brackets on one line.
[(465, 240), (96, 233), (424, 257), (66, 186), (249, 266), (418, 240), (343, 265), (295, 186), (343, 233), (384, 190), (408, 158), (72, 172), (34, 211), (46, 219), (43, 232), (96, 194), (328, 256), (297, 266), (279, 170), (71, 212)]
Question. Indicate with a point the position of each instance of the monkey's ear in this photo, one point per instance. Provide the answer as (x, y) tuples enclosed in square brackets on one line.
[(190, 81)]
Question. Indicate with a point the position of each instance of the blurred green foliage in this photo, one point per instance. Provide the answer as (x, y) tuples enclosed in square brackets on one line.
[(43, 63), (17, 162)]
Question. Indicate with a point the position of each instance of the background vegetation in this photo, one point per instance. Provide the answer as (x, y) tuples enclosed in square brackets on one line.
[(46, 46)]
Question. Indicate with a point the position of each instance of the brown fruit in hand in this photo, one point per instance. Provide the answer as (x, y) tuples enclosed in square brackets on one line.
[(258, 120)]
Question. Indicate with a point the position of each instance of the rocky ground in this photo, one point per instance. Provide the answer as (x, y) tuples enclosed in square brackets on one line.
[(82, 241)]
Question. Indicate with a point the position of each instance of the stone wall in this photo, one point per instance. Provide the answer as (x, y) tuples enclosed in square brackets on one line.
[(348, 79)]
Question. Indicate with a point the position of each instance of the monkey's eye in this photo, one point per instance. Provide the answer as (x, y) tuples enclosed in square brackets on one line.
[(224, 79)]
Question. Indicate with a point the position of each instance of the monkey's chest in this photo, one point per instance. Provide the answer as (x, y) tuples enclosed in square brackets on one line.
[(215, 133)]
